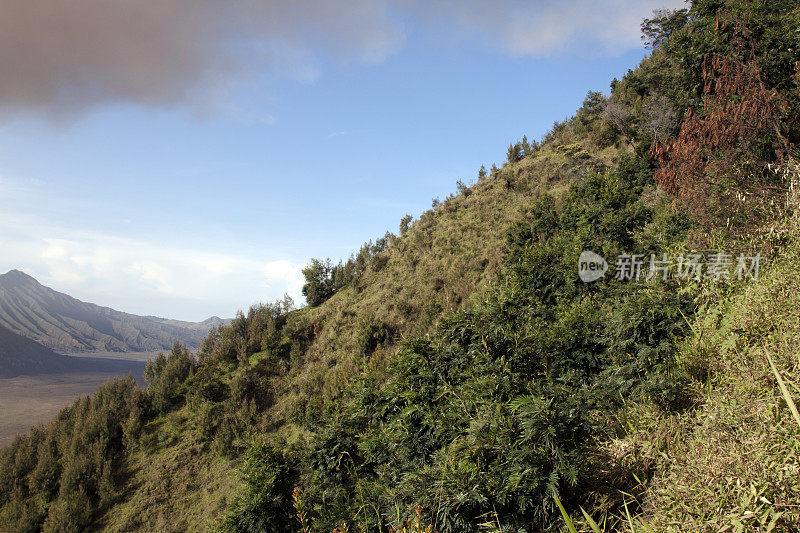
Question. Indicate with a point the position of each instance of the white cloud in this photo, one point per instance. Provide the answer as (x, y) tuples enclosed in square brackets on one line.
[(152, 274), (287, 274), (544, 27), (150, 278)]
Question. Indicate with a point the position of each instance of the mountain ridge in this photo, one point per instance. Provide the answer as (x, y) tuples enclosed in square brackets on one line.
[(68, 325)]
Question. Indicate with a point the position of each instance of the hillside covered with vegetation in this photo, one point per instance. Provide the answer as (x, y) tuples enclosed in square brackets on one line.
[(461, 375)]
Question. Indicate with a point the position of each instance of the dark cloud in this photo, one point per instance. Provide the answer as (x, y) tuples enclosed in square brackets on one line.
[(61, 57)]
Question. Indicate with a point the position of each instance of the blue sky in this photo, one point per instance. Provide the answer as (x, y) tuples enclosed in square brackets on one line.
[(194, 180)]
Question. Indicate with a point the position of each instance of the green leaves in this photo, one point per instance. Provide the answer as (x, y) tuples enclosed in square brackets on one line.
[(320, 284), (266, 504), (166, 377)]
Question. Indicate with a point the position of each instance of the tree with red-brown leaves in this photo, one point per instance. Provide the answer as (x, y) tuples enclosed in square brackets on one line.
[(721, 164)]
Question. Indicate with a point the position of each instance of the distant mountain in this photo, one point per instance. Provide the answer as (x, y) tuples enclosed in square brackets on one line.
[(21, 356), (67, 325), (206, 325)]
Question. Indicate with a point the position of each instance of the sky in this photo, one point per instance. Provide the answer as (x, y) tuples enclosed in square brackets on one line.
[(186, 159)]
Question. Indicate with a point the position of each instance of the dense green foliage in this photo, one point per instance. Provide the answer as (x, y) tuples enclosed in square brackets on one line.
[(59, 478), (463, 366), (324, 279), (492, 413), (266, 504)]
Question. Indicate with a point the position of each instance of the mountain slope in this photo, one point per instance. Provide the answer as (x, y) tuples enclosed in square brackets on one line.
[(67, 325), (20, 356), (443, 263)]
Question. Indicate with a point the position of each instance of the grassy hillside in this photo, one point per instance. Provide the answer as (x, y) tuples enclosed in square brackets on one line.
[(736, 464), (463, 372), (445, 262)]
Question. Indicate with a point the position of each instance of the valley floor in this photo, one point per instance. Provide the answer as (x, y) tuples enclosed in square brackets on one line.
[(26, 401)]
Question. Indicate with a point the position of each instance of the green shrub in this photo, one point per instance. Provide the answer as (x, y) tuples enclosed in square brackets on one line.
[(167, 375), (266, 503)]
